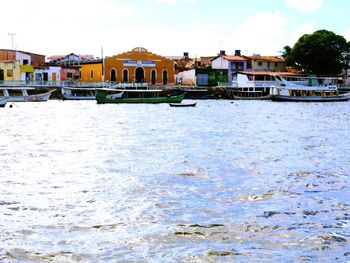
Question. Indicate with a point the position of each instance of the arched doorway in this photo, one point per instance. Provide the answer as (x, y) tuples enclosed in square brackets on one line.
[(165, 77), (113, 75), (139, 75), (125, 75), (153, 77)]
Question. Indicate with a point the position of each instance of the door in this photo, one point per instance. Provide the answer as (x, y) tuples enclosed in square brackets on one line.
[(45, 76), (113, 75), (202, 80), (53, 76), (140, 75), (1, 75)]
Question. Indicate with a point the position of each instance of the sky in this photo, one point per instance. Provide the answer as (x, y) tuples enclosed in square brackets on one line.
[(166, 27)]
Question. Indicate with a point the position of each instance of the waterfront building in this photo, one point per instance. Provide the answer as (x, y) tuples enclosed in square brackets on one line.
[(26, 62), (10, 71), (140, 65), (47, 73), (267, 63), (70, 59), (92, 71)]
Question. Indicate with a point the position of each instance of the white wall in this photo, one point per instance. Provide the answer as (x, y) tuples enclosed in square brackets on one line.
[(219, 63), (49, 71), (188, 77), (21, 56)]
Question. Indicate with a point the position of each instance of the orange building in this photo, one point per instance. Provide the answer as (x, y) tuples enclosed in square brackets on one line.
[(139, 65)]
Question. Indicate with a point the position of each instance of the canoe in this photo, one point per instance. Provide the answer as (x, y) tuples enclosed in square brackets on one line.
[(182, 104)]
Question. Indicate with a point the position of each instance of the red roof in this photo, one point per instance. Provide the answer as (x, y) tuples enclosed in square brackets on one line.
[(267, 58), (235, 58)]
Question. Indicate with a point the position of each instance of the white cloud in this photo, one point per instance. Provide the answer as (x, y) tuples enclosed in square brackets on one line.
[(307, 28), (264, 33), (173, 2), (347, 34), (304, 5), (68, 26), (168, 2)]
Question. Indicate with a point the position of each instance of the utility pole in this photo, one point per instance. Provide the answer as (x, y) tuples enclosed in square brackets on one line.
[(12, 35)]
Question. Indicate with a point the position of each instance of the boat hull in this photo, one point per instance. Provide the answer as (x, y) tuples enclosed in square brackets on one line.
[(3, 102), (268, 97), (343, 97), (68, 97), (31, 98), (182, 105), (101, 97)]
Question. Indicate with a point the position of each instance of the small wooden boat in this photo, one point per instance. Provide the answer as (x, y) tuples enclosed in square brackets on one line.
[(20, 94), (3, 102), (182, 104), (105, 95)]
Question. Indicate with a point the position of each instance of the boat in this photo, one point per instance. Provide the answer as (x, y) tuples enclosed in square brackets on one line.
[(250, 86), (289, 91), (111, 95), (182, 104), (3, 102), (20, 94), (78, 93)]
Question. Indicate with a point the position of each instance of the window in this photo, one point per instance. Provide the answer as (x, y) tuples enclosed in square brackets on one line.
[(9, 73), (69, 75), (91, 73), (276, 64), (25, 62), (260, 64)]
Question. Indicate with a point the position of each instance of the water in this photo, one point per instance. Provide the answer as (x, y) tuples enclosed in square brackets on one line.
[(243, 181)]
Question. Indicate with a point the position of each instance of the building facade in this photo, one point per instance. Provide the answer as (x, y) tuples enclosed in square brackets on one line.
[(268, 63), (92, 71), (140, 65), (20, 63)]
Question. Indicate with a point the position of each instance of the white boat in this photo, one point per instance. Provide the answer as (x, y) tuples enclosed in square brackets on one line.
[(3, 102), (251, 86), (78, 93), (289, 91), (20, 94)]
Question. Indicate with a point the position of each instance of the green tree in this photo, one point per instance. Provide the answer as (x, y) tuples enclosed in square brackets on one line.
[(321, 53), (286, 55)]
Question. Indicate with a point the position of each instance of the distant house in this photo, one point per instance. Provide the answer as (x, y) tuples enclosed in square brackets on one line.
[(69, 60), (19, 65), (47, 74), (267, 63)]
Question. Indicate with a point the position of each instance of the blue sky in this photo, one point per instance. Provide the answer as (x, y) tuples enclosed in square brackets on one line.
[(167, 27)]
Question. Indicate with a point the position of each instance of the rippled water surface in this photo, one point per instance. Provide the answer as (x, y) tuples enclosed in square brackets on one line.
[(241, 181)]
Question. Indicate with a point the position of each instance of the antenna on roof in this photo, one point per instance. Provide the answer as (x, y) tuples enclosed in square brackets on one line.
[(12, 35)]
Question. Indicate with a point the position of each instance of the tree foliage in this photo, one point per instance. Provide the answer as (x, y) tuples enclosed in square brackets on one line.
[(321, 53)]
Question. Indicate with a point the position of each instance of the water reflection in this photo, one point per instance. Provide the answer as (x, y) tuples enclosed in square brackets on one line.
[(221, 182)]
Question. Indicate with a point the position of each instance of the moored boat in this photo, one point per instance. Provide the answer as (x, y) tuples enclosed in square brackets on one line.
[(289, 91), (20, 94), (108, 95), (78, 93), (250, 86), (182, 104), (3, 102)]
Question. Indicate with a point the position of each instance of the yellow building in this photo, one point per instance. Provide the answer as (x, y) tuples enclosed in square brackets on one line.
[(10, 70), (91, 71)]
